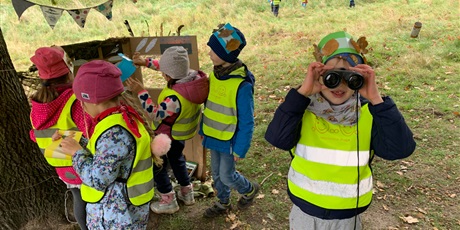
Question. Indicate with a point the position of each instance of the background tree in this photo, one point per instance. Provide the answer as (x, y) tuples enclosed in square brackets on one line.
[(29, 187)]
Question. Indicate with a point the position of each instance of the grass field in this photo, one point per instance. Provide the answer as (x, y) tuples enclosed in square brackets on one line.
[(420, 74)]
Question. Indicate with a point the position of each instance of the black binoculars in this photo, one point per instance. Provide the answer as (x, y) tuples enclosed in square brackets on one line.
[(332, 78)]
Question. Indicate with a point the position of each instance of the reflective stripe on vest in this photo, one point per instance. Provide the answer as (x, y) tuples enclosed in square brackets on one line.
[(186, 124), (64, 122), (324, 169), (220, 116), (140, 181)]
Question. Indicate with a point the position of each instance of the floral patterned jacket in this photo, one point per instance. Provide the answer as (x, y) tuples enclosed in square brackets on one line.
[(115, 150)]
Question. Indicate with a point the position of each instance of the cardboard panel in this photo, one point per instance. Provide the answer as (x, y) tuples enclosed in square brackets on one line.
[(155, 46)]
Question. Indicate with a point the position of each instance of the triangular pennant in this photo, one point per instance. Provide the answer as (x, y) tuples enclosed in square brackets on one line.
[(20, 6), (51, 14), (79, 16), (106, 9)]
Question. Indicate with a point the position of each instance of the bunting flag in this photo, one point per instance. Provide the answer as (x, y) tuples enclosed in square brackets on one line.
[(106, 9), (79, 16), (52, 14), (20, 6)]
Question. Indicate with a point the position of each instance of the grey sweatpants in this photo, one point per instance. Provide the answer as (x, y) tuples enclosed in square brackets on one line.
[(298, 220), (79, 208)]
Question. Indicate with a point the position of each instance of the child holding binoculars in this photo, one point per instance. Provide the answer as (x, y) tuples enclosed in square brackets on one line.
[(333, 124)]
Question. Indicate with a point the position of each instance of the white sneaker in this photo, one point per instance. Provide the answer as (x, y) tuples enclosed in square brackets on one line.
[(185, 194), (166, 205)]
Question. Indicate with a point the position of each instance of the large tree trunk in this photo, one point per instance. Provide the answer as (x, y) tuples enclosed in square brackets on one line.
[(29, 187)]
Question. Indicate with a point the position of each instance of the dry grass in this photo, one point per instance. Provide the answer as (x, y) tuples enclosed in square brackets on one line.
[(420, 74)]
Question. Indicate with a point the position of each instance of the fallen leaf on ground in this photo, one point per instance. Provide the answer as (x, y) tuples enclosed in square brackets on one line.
[(422, 211), (235, 225), (231, 217), (409, 219)]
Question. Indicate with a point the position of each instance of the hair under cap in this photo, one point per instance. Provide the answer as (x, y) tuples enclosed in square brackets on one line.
[(227, 43), (174, 62), (340, 43), (97, 81), (50, 62)]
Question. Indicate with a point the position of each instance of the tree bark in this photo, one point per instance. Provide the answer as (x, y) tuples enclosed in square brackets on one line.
[(29, 187)]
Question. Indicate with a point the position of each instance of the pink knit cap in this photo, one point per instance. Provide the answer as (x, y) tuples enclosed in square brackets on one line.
[(50, 62), (97, 81)]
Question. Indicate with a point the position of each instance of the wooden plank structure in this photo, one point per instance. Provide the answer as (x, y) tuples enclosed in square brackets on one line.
[(108, 50)]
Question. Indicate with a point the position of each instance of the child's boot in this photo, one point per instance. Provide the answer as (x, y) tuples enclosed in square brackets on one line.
[(185, 194), (247, 199), (166, 205), (217, 209)]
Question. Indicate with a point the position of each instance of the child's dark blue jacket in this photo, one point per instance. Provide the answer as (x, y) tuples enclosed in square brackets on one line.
[(391, 137)]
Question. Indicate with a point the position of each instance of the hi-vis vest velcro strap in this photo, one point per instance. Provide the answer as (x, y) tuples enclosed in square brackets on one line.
[(324, 169), (140, 181), (64, 122), (220, 116), (186, 124)]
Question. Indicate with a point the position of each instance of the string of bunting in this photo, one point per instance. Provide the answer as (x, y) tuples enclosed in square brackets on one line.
[(52, 14)]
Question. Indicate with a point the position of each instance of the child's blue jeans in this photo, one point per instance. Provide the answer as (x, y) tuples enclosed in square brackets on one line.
[(226, 177)]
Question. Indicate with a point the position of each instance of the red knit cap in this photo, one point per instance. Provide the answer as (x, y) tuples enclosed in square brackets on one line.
[(50, 62), (97, 81)]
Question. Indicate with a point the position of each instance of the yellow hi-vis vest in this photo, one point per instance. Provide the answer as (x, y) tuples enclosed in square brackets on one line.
[(139, 185), (276, 2), (323, 171), (65, 122), (185, 126), (220, 116)]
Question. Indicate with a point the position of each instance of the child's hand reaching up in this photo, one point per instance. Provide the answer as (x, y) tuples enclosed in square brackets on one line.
[(138, 60), (134, 85)]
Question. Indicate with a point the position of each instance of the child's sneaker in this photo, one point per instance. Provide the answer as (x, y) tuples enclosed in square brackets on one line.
[(166, 205), (217, 209), (185, 194), (247, 199)]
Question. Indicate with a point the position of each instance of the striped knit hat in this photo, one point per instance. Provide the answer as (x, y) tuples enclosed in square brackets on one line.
[(340, 44)]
